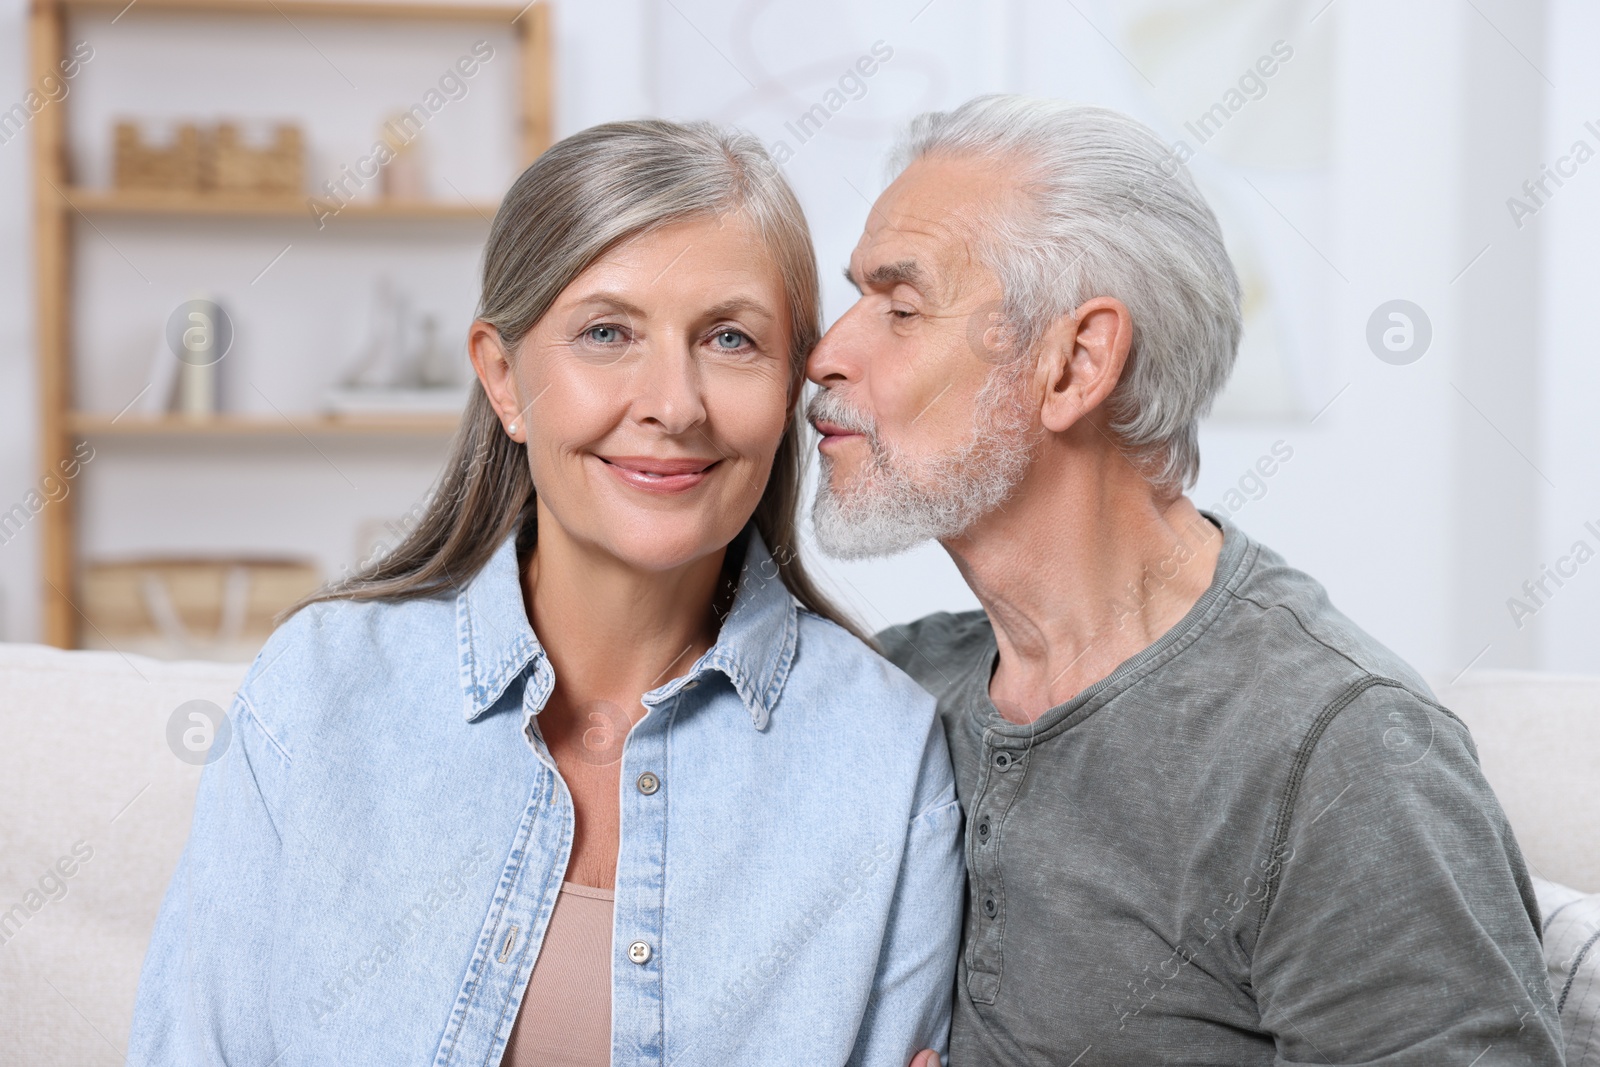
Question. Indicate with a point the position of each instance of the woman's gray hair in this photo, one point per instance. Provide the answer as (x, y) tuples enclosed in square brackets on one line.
[(585, 195), (1109, 210)]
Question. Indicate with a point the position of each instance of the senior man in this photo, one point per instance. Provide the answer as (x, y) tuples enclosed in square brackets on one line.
[(1209, 820)]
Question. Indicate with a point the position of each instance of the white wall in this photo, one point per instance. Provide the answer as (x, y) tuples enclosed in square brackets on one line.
[(1415, 510), (18, 394), (1568, 626)]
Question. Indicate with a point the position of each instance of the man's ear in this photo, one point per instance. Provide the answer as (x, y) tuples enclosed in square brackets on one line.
[(1082, 359), (493, 366)]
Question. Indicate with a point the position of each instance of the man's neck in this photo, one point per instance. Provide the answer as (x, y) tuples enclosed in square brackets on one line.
[(1079, 571)]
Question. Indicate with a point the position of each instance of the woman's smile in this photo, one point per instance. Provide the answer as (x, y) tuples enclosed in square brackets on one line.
[(654, 475)]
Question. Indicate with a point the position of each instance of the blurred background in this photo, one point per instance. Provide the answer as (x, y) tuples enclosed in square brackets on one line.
[(239, 246)]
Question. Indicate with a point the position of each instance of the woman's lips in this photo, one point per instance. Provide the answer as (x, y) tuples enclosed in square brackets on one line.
[(655, 475)]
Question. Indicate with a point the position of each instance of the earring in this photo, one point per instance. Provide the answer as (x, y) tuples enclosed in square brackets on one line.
[(512, 428)]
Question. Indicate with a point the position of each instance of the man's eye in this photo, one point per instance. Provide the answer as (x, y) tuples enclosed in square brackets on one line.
[(604, 334), (730, 340)]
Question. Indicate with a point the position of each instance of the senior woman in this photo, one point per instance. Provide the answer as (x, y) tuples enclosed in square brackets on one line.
[(586, 770)]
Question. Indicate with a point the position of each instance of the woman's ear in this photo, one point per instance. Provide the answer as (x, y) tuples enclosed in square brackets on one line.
[(493, 366), (1082, 360)]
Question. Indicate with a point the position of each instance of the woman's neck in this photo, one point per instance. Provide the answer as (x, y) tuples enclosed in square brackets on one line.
[(612, 631)]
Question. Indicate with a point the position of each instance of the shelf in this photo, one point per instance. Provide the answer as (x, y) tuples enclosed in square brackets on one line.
[(61, 207), (88, 424), (448, 12), (179, 202)]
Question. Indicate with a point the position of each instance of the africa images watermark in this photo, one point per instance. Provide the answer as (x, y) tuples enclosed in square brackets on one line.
[(1537, 191), (1153, 578), (851, 86), (848, 884), (52, 89), (453, 85), (1537, 591), (1399, 332), (1251, 86), (394, 935), (50, 887), (1143, 989), (1252, 484), (199, 732), (52, 489)]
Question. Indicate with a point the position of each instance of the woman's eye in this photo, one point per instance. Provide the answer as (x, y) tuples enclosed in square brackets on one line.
[(730, 340), (603, 335)]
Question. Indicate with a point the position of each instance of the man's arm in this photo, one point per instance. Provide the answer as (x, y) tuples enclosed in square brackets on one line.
[(1403, 928)]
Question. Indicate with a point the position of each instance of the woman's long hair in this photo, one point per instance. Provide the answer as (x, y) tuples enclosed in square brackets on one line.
[(585, 194)]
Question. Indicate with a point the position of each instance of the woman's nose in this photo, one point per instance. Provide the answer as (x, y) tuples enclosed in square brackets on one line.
[(669, 390)]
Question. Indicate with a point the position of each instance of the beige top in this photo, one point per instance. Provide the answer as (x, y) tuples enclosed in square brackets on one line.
[(565, 1017)]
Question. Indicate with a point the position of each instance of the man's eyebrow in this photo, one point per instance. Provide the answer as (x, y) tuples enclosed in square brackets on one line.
[(903, 272), (851, 278)]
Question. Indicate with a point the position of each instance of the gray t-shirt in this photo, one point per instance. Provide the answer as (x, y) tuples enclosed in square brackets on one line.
[(1258, 841)]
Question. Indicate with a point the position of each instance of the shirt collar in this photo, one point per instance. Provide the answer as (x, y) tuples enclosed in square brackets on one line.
[(755, 646), (497, 642)]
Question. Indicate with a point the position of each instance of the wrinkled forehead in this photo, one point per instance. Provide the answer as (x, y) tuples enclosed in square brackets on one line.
[(937, 213)]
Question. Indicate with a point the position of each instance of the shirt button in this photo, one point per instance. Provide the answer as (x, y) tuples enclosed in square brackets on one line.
[(983, 828), (991, 907), (1003, 760), (648, 783), (639, 952)]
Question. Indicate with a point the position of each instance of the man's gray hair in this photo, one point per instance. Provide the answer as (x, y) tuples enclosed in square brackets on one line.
[(1110, 211)]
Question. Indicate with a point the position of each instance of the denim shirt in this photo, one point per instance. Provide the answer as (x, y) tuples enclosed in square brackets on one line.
[(374, 858)]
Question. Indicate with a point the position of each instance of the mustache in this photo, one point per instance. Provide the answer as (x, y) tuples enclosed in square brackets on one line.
[(828, 406)]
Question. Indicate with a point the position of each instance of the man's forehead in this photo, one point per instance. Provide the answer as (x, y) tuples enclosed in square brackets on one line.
[(930, 216)]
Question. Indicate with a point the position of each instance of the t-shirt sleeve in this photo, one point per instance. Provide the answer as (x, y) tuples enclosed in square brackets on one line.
[(1403, 928), (934, 649)]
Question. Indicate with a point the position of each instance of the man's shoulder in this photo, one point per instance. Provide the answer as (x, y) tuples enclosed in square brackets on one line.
[(939, 650), (1283, 616)]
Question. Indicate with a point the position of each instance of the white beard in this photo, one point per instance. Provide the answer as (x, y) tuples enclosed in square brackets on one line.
[(894, 503)]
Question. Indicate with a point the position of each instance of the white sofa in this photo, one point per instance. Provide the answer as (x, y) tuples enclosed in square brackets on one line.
[(87, 770)]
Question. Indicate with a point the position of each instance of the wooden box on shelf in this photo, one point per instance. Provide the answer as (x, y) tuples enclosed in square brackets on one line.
[(180, 165), (204, 159), (190, 608), (278, 168)]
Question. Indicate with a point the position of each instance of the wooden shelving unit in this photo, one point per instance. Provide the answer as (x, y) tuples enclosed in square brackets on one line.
[(155, 202), (59, 206), (101, 427)]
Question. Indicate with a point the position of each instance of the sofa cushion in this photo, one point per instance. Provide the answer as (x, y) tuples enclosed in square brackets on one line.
[(1572, 952), (97, 806), (1538, 740)]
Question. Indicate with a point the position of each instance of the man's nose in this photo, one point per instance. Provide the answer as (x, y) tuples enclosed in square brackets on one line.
[(838, 357)]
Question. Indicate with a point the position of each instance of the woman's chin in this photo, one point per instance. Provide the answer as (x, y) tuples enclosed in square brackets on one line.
[(664, 547)]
